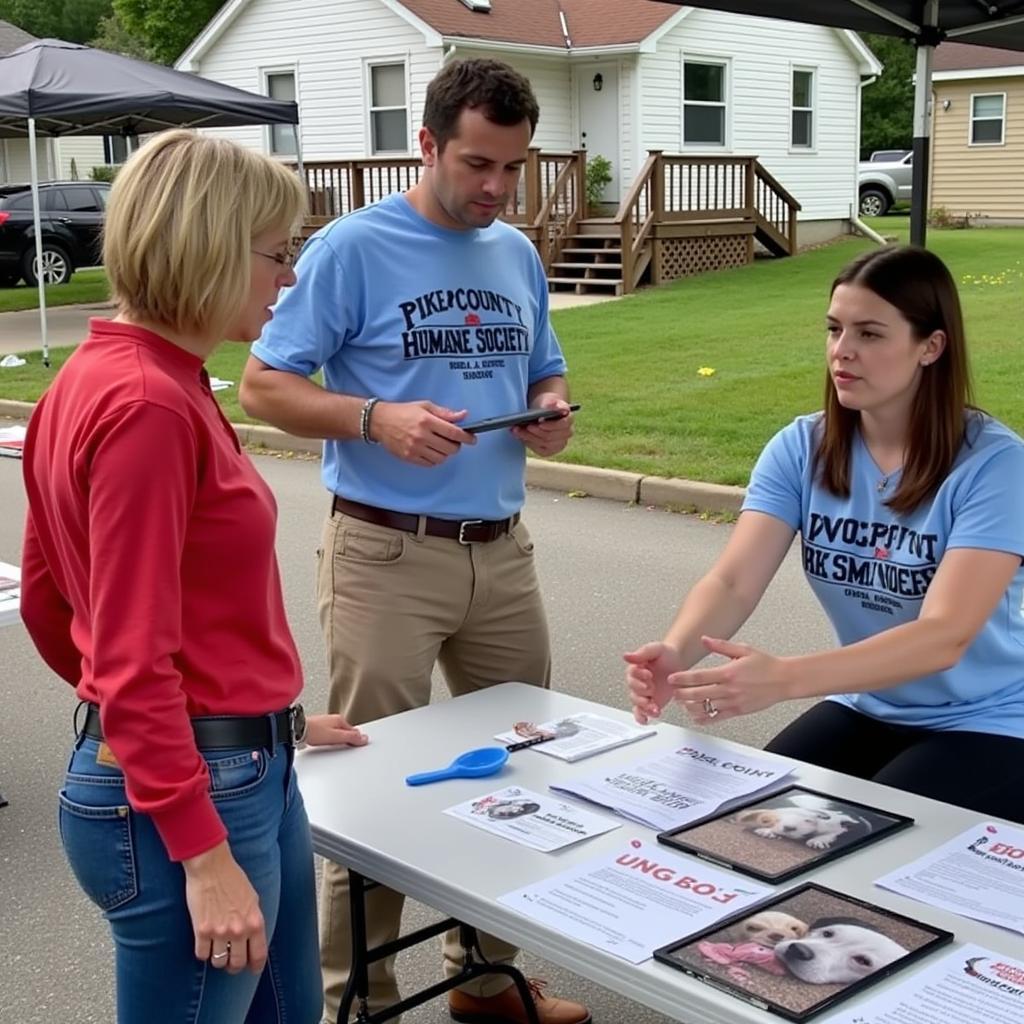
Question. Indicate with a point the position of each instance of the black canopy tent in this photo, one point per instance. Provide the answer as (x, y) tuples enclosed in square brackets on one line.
[(926, 23), (52, 88)]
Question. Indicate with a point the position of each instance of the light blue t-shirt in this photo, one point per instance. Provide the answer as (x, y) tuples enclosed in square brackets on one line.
[(870, 568), (392, 305)]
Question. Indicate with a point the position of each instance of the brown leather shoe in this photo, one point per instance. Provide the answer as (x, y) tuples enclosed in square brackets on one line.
[(507, 1008)]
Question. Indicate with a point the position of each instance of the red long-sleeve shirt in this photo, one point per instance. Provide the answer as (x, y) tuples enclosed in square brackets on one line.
[(149, 579)]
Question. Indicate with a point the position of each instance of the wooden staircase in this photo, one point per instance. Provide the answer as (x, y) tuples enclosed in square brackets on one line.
[(683, 215), (591, 260)]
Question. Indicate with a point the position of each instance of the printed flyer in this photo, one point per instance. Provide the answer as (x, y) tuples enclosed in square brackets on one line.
[(979, 874), (684, 785), (634, 898), (970, 986), (532, 819)]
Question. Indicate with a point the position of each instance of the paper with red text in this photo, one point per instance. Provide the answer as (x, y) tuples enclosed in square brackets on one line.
[(979, 874), (971, 985), (634, 898), (683, 785)]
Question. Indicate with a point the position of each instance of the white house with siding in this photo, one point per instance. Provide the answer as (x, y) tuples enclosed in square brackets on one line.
[(615, 77), (65, 158)]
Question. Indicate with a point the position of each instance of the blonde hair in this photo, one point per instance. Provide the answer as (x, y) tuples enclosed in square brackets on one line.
[(182, 215)]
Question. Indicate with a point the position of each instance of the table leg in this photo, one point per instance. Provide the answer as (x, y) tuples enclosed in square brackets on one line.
[(358, 986)]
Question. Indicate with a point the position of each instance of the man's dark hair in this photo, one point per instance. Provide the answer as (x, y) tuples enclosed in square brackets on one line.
[(501, 93)]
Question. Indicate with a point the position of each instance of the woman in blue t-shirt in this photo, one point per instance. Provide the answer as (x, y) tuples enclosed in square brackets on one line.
[(908, 501)]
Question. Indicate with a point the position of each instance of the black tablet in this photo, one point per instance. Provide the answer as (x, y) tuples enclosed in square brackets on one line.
[(514, 419), (803, 951), (777, 837)]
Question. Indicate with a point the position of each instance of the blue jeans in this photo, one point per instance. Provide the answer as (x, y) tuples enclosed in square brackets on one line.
[(122, 865)]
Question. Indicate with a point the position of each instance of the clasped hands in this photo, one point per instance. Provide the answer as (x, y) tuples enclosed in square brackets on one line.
[(751, 680)]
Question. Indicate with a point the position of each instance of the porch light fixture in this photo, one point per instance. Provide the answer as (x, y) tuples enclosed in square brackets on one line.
[(946, 104), (598, 82)]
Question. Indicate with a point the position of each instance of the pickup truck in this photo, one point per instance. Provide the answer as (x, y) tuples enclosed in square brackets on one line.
[(882, 183)]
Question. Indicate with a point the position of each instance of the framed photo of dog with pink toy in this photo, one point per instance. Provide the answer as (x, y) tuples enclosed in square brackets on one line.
[(802, 951), (776, 838)]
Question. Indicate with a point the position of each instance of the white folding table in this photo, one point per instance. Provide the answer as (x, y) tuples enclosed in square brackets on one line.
[(365, 818)]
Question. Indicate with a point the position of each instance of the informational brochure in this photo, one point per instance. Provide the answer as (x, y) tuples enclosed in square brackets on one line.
[(683, 785), (979, 874), (577, 736), (971, 985), (532, 819), (634, 898)]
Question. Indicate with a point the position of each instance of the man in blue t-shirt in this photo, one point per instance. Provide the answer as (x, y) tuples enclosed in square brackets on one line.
[(425, 312)]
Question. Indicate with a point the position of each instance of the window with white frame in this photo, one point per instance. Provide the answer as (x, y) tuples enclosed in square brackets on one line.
[(389, 110), (704, 101), (988, 118), (802, 127), (281, 86), (117, 148)]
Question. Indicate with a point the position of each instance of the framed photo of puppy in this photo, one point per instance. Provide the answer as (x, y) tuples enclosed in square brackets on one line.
[(803, 951), (779, 837)]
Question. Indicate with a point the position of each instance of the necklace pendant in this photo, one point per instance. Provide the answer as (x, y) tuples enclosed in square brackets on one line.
[(882, 484)]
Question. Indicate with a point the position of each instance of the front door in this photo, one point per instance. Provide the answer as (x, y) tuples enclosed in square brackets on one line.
[(598, 90)]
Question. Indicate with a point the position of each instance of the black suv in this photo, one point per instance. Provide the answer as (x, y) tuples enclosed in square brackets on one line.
[(71, 218)]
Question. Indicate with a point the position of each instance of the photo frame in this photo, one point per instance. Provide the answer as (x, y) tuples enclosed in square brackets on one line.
[(778, 837), (802, 951)]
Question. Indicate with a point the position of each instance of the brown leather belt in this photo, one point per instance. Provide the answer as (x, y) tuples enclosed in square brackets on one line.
[(465, 531)]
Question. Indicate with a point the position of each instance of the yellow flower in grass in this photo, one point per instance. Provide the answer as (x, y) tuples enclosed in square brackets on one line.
[(706, 371)]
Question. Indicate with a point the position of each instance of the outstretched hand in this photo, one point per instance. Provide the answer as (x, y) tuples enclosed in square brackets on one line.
[(647, 678), (752, 680)]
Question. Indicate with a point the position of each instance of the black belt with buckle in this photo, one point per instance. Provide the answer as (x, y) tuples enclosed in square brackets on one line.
[(465, 531), (220, 731)]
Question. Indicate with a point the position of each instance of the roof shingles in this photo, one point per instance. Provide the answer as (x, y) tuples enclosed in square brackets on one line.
[(537, 22)]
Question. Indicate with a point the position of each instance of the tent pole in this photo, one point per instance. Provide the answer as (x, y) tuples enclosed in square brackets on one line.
[(34, 169), (926, 43)]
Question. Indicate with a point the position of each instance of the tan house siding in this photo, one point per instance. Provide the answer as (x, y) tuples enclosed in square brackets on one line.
[(981, 180)]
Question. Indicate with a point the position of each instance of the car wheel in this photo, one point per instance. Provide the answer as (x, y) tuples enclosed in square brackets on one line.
[(57, 268), (874, 202)]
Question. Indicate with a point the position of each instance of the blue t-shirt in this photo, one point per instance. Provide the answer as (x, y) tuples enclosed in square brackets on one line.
[(870, 568), (390, 304)]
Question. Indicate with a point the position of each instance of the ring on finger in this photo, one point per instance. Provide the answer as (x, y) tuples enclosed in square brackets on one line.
[(222, 955), (709, 707)]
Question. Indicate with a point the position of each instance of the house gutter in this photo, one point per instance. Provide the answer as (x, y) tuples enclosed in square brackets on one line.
[(540, 51)]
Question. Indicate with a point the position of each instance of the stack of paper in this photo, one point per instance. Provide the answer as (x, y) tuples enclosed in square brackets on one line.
[(577, 736), (684, 785)]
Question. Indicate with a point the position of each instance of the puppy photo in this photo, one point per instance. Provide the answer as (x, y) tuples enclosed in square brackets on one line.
[(803, 951), (769, 928), (838, 950), (808, 819)]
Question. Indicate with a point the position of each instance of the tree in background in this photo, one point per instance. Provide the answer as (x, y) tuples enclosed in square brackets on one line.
[(165, 27), (76, 21), (887, 107), (113, 36)]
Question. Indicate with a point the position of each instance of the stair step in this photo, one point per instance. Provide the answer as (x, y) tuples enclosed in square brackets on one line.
[(603, 282), (596, 236), (588, 266), (592, 252)]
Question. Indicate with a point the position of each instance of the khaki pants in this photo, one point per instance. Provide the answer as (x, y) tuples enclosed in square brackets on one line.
[(391, 605)]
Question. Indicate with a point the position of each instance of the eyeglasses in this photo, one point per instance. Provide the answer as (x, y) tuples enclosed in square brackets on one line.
[(283, 259)]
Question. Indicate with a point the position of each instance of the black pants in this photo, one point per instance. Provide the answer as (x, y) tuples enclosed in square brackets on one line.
[(976, 770)]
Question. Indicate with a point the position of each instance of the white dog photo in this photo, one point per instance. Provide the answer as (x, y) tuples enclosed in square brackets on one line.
[(840, 950), (812, 822)]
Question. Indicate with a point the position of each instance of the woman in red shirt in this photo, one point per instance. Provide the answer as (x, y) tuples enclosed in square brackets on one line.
[(150, 584)]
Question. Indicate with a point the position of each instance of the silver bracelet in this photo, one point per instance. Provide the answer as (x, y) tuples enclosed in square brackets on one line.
[(364, 420)]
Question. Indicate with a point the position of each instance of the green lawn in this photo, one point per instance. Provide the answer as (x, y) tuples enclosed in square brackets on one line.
[(85, 286), (634, 363)]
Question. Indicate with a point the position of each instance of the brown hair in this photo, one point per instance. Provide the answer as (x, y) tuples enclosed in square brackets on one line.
[(920, 286), (501, 93)]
